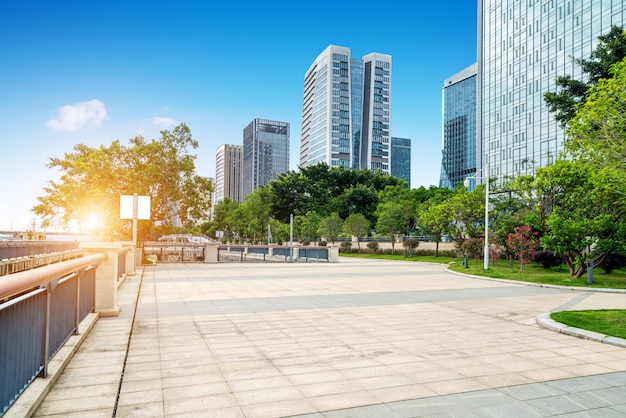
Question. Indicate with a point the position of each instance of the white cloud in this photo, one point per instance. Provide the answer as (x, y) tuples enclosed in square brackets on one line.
[(163, 122), (81, 115)]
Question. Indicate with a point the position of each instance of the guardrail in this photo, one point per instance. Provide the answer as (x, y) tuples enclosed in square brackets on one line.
[(18, 249), (275, 253), (41, 308)]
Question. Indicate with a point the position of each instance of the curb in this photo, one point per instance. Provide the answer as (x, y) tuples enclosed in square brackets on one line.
[(553, 286), (545, 321)]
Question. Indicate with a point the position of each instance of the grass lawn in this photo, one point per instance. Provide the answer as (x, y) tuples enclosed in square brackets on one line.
[(503, 270), (608, 322)]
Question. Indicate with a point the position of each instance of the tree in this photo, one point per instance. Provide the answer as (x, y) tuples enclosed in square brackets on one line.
[(611, 49), (522, 243), (392, 221), (435, 221), (331, 226), (585, 220), (598, 133), (356, 225), (465, 213), (92, 180)]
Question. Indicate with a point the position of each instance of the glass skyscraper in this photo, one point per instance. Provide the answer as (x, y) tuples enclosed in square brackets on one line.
[(523, 46), (265, 153), (458, 154), (346, 116), (401, 158)]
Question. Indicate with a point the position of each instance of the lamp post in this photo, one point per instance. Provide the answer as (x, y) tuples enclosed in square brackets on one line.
[(466, 183)]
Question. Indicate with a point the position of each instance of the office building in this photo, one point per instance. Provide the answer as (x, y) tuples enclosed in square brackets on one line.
[(228, 161), (523, 46), (265, 153), (458, 149), (401, 158), (346, 113)]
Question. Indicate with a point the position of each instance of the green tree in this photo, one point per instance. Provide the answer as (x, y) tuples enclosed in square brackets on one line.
[(611, 49), (434, 222), (392, 221), (586, 219), (92, 180), (331, 226), (598, 133), (358, 226)]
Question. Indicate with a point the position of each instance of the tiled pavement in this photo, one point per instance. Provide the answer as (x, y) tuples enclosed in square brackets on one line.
[(361, 338)]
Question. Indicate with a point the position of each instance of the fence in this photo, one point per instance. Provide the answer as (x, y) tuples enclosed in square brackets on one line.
[(40, 310), (18, 249)]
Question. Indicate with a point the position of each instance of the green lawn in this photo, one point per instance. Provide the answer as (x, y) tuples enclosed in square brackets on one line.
[(503, 270), (608, 322)]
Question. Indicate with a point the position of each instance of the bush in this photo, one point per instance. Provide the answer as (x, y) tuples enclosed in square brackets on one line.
[(547, 259), (322, 243), (373, 246), (306, 242), (345, 246), (613, 261)]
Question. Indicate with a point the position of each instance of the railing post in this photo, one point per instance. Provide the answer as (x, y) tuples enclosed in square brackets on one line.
[(106, 276), (211, 252), (333, 253)]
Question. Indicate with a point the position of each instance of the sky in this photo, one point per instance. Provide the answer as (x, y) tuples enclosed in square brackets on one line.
[(75, 72)]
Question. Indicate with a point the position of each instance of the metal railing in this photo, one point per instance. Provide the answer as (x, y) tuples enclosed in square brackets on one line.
[(174, 251), (39, 310), (18, 249)]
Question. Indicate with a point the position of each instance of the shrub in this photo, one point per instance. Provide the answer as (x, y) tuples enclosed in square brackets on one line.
[(345, 246), (613, 261), (306, 242), (547, 259), (411, 244), (373, 246), (322, 243)]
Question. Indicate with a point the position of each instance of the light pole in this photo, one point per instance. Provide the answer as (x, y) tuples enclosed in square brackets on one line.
[(466, 183)]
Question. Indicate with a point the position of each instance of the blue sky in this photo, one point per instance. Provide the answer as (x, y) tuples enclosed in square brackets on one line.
[(93, 72)]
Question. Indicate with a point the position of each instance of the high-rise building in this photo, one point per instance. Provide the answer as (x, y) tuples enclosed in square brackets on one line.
[(265, 153), (401, 158), (346, 113), (523, 46), (458, 148), (228, 160)]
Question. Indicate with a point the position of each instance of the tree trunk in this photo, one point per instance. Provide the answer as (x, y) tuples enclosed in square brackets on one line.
[(437, 249)]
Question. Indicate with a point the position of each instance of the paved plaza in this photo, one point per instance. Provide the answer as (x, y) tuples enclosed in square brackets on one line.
[(359, 338)]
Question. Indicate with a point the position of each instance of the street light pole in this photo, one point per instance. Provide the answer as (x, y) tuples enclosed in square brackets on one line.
[(485, 177), (486, 251)]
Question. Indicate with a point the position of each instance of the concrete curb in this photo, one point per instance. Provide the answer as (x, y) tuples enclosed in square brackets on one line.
[(553, 286), (545, 321)]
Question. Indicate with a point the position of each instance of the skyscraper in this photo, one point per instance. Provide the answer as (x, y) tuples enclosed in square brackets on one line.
[(265, 153), (523, 46), (228, 173), (458, 150), (346, 116), (401, 158)]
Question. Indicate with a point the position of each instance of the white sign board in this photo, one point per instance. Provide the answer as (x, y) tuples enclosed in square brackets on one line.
[(126, 207)]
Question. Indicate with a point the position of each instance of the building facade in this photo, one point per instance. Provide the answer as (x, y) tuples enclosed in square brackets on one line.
[(401, 158), (458, 144), (228, 164), (346, 112), (265, 153), (523, 46)]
